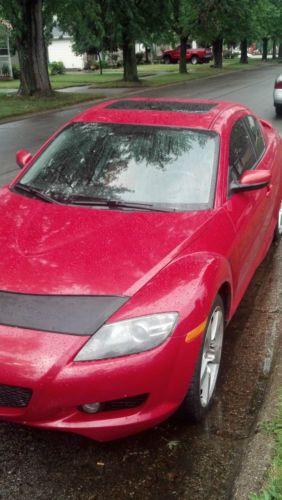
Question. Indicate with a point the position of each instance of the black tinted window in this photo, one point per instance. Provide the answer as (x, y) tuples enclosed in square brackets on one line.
[(241, 152), (256, 135)]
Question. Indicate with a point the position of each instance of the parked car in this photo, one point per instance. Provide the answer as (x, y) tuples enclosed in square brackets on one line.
[(127, 243), (277, 95), (193, 56)]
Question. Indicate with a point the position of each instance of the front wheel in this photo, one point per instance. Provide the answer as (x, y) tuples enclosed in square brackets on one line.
[(194, 60), (201, 391), (167, 60)]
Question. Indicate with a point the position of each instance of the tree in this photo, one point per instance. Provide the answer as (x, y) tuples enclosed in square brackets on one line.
[(131, 20), (268, 23), (184, 19), (83, 20), (106, 23), (223, 20), (26, 19)]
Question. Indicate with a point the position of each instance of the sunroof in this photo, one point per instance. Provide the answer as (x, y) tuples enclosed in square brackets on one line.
[(175, 106)]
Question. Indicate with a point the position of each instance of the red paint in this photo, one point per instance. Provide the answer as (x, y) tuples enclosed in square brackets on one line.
[(163, 261)]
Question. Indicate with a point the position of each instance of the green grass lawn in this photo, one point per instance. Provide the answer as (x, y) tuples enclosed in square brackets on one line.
[(12, 105), (113, 77), (70, 80), (273, 487), (164, 74)]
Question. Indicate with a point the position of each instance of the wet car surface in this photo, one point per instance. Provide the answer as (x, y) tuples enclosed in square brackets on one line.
[(120, 267), (169, 461)]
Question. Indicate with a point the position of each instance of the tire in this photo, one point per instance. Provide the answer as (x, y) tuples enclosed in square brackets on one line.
[(167, 60), (278, 229), (194, 60), (278, 109), (201, 392)]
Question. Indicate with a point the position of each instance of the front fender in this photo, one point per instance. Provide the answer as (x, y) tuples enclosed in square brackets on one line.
[(188, 285)]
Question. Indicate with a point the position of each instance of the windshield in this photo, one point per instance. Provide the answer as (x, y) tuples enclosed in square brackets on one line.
[(155, 166)]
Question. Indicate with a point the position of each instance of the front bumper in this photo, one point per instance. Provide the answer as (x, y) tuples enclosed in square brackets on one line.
[(42, 362)]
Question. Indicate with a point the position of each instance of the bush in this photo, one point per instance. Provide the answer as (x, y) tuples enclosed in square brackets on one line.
[(139, 57), (5, 70), (91, 64), (94, 64), (16, 72), (57, 68), (229, 54)]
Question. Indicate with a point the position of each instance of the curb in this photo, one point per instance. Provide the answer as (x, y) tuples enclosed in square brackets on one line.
[(259, 451)]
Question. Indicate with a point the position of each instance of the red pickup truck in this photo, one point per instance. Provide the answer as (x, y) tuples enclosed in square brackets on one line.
[(193, 56)]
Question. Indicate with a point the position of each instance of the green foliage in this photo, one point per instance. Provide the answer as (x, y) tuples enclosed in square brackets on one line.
[(229, 54), (57, 68), (93, 64), (139, 57), (5, 70), (16, 72)]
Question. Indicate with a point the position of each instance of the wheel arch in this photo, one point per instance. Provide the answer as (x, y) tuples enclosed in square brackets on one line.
[(225, 294), (189, 285)]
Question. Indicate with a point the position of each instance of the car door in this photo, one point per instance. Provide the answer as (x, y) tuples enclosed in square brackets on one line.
[(266, 161), (246, 209)]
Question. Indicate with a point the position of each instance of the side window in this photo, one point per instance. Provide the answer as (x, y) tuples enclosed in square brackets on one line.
[(241, 152), (256, 135)]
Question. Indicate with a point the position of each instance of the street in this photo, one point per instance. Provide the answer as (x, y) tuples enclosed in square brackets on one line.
[(191, 462)]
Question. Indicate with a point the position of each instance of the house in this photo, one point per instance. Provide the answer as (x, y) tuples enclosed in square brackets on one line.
[(5, 57), (60, 49)]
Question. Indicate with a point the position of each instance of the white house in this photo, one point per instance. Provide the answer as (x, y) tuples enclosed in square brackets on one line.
[(60, 49), (5, 56)]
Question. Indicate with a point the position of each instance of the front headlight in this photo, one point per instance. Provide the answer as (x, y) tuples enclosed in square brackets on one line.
[(128, 337)]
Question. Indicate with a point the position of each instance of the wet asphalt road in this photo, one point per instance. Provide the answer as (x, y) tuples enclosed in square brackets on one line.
[(172, 460)]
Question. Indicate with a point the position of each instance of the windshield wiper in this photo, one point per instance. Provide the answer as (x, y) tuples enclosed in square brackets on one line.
[(35, 192), (103, 202)]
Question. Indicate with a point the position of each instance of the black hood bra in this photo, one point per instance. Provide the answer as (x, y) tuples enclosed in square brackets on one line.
[(69, 314)]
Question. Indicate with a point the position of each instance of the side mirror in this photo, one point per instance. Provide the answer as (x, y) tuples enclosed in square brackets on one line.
[(22, 157), (251, 180)]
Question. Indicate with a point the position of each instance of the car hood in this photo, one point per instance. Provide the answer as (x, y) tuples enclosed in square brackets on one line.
[(54, 249)]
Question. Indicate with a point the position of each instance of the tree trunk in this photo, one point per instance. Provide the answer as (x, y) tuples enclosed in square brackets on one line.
[(274, 53), (217, 45), (280, 52), (32, 51), (129, 60), (264, 48), (182, 60), (147, 53), (100, 62), (244, 52)]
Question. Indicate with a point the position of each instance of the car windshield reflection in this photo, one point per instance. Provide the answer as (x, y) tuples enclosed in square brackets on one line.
[(159, 167)]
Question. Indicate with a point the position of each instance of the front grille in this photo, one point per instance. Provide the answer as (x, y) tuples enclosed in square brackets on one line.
[(125, 403), (14, 397)]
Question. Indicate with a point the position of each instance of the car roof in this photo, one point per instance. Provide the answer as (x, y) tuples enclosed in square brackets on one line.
[(188, 113)]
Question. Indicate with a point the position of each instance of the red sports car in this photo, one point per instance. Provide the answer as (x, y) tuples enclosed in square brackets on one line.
[(127, 242)]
